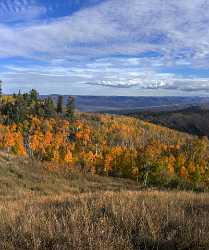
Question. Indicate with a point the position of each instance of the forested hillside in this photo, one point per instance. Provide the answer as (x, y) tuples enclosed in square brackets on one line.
[(101, 144), (193, 120)]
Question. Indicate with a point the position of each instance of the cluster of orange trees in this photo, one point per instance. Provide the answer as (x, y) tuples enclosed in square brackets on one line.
[(110, 145)]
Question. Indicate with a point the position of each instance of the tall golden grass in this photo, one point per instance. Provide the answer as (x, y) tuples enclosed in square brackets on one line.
[(69, 210), (107, 220)]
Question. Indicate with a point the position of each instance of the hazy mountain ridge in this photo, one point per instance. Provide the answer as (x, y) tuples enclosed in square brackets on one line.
[(193, 119), (126, 103)]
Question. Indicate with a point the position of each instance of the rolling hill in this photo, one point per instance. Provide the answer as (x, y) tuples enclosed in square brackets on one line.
[(193, 120)]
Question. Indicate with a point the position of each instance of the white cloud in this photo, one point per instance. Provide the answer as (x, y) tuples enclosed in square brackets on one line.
[(175, 31), (101, 74), (128, 28)]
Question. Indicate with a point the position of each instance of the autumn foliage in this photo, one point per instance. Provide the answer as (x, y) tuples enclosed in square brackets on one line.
[(109, 145)]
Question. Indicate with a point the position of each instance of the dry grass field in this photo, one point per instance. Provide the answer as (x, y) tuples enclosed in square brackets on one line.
[(68, 210)]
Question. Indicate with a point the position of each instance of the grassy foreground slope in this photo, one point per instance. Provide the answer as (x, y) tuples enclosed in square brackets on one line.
[(42, 209), (23, 178)]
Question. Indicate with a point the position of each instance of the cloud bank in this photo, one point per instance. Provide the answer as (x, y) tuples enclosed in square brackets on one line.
[(117, 44)]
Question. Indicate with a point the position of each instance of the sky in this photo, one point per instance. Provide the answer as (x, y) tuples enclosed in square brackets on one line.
[(105, 47)]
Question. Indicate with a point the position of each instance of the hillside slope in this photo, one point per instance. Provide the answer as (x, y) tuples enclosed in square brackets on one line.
[(64, 209), (193, 120), (21, 177), (108, 145)]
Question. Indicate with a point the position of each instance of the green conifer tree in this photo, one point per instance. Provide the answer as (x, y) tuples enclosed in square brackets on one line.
[(60, 105), (70, 108)]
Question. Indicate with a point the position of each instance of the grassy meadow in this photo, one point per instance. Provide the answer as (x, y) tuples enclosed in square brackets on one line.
[(64, 209)]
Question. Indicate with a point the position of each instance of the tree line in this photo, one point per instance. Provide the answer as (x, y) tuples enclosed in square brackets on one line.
[(20, 107)]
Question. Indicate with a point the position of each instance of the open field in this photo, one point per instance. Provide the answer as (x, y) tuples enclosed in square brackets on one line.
[(107, 220), (67, 210)]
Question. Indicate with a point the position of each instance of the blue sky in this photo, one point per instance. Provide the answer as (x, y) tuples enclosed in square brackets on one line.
[(105, 47)]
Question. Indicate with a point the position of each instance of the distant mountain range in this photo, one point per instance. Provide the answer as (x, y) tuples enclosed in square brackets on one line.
[(124, 104)]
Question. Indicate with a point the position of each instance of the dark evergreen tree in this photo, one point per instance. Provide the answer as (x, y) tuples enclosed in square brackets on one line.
[(70, 108), (24, 106), (34, 95), (15, 112), (49, 108), (60, 105), (21, 109)]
